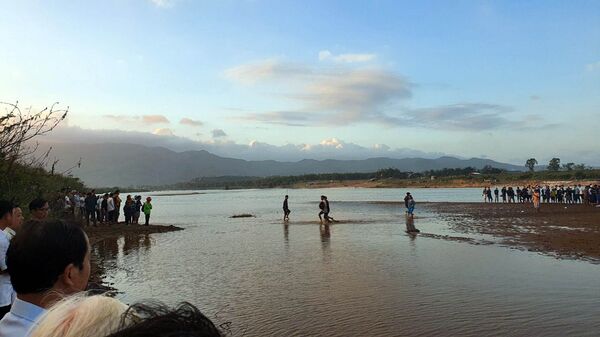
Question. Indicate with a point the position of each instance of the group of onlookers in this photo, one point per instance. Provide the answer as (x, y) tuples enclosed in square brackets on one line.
[(106, 208), (44, 271), (576, 194)]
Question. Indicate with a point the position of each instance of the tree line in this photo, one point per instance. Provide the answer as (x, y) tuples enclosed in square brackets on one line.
[(554, 165)]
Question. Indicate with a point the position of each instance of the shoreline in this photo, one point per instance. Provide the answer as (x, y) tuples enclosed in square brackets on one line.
[(454, 183), (103, 234), (564, 231), (387, 183)]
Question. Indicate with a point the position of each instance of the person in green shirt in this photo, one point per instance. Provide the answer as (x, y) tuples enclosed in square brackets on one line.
[(147, 209)]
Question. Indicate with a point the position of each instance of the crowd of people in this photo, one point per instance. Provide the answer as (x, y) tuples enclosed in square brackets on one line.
[(576, 194), (105, 208), (44, 272)]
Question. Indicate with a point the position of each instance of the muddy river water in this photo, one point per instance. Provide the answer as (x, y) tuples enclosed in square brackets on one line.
[(361, 276)]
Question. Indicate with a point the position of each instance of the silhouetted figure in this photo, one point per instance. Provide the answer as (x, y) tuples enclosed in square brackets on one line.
[(286, 209)]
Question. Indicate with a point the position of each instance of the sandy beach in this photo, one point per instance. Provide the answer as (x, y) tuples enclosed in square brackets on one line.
[(562, 230)]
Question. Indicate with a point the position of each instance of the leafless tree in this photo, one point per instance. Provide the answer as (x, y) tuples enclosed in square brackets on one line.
[(19, 127)]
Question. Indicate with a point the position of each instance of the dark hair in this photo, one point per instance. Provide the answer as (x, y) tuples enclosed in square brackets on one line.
[(41, 252), (37, 203), (158, 320), (6, 207)]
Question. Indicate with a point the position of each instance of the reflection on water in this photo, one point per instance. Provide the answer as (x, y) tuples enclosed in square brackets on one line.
[(364, 276), (410, 226)]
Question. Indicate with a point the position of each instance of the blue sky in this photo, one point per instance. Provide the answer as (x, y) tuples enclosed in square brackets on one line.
[(504, 79)]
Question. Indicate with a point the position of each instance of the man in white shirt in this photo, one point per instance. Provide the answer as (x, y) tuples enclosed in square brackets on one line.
[(15, 225), (110, 208), (6, 290), (46, 261)]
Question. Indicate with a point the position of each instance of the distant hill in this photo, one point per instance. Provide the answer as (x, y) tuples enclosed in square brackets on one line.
[(138, 165)]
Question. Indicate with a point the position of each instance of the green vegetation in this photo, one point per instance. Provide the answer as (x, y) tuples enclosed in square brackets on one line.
[(22, 176), (392, 177), (23, 183)]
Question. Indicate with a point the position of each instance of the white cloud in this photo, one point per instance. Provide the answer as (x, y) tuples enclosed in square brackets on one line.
[(190, 122), (264, 70), (332, 142), (381, 147), (163, 132), (155, 119), (595, 66), (146, 119), (326, 55), (338, 96)]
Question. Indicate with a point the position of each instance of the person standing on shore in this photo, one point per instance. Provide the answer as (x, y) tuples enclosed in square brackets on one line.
[(128, 209), (147, 209), (536, 198), (6, 290), (117, 200), (110, 208), (15, 226), (39, 208), (511, 194), (90, 207), (503, 193), (286, 209), (137, 207), (46, 262)]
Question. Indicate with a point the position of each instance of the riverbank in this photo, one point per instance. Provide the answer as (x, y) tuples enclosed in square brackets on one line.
[(105, 236), (436, 183), (561, 230)]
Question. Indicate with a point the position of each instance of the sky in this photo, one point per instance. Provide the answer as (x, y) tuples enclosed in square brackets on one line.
[(286, 80)]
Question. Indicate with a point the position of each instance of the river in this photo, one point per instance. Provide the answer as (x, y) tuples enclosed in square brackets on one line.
[(362, 276)]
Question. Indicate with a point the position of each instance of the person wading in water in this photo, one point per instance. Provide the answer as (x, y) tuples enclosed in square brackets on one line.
[(286, 209)]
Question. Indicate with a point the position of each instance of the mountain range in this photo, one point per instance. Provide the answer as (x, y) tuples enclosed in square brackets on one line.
[(130, 165)]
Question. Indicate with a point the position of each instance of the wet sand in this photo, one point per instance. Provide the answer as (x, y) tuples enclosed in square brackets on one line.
[(103, 233), (560, 230)]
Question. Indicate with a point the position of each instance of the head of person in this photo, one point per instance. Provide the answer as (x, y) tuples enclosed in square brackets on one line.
[(48, 260), (39, 209), (129, 198), (105, 196), (286, 196), (6, 213), (17, 219), (158, 320), (148, 199), (80, 315)]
